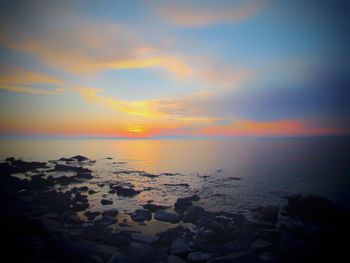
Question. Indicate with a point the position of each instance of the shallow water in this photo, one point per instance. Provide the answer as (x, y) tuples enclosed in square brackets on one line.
[(230, 175)]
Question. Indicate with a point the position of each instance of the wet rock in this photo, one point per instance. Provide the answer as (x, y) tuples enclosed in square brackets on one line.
[(107, 220), (141, 215), (118, 257), (318, 209), (153, 208), (166, 237), (112, 212), (91, 192), (117, 239), (91, 215), (171, 217), (267, 213), (174, 259), (268, 257), (125, 192), (140, 252), (209, 223), (236, 257), (261, 244), (194, 212), (106, 202), (20, 166), (179, 246), (144, 238), (199, 256), (182, 204), (65, 168)]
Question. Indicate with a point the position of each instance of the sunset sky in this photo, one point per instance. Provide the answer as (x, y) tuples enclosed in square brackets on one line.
[(174, 68)]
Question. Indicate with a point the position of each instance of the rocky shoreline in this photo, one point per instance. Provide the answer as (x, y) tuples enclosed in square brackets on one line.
[(42, 224)]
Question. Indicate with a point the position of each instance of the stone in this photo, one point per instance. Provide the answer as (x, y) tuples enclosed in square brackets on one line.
[(268, 257), (174, 259), (112, 212), (179, 246), (140, 252), (199, 256), (106, 202), (141, 215), (91, 215), (144, 238), (125, 192), (161, 215), (193, 213), (182, 204), (267, 213), (153, 208), (261, 244)]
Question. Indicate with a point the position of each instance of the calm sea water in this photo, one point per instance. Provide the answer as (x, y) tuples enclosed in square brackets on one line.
[(233, 175)]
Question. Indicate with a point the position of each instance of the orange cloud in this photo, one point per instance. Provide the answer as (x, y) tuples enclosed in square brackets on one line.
[(19, 80)]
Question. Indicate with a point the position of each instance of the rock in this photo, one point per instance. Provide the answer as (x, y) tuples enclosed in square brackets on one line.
[(106, 202), (91, 215), (199, 256), (261, 244), (166, 237), (268, 257), (118, 258), (144, 238), (193, 213), (107, 220), (267, 213), (153, 208), (174, 259), (105, 251), (125, 192), (117, 239), (91, 192), (112, 212), (141, 215), (236, 257), (317, 209), (161, 215), (140, 252), (209, 223), (179, 246), (182, 204)]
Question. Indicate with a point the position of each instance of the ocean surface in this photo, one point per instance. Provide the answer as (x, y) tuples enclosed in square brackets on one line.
[(230, 175)]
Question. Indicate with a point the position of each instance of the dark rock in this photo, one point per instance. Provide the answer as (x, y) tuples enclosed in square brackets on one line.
[(140, 252), (199, 256), (269, 257), (153, 208), (161, 215), (174, 259), (112, 212), (261, 244), (194, 212), (106, 202), (267, 213), (314, 208), (166, 237), (179, 246), (144, 238), (91, 192), (117, 239), (125, 192), (91, 215), (141, 215), (182, 204)]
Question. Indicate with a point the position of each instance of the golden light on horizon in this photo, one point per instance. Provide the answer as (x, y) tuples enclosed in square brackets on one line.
[(137, 129)]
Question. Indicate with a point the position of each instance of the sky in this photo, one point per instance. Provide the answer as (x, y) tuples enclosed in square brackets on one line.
[(181, 68)]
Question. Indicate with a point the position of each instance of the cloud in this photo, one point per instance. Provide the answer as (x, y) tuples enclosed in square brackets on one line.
[(19, 80), (203, 13)]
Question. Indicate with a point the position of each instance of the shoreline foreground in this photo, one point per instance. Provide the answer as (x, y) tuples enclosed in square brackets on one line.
[(41, 223)]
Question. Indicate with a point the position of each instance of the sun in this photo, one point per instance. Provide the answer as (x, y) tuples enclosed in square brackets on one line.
[(137, 129)]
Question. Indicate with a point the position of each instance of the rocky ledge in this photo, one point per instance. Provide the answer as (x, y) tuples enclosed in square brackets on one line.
[(41, 224)]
